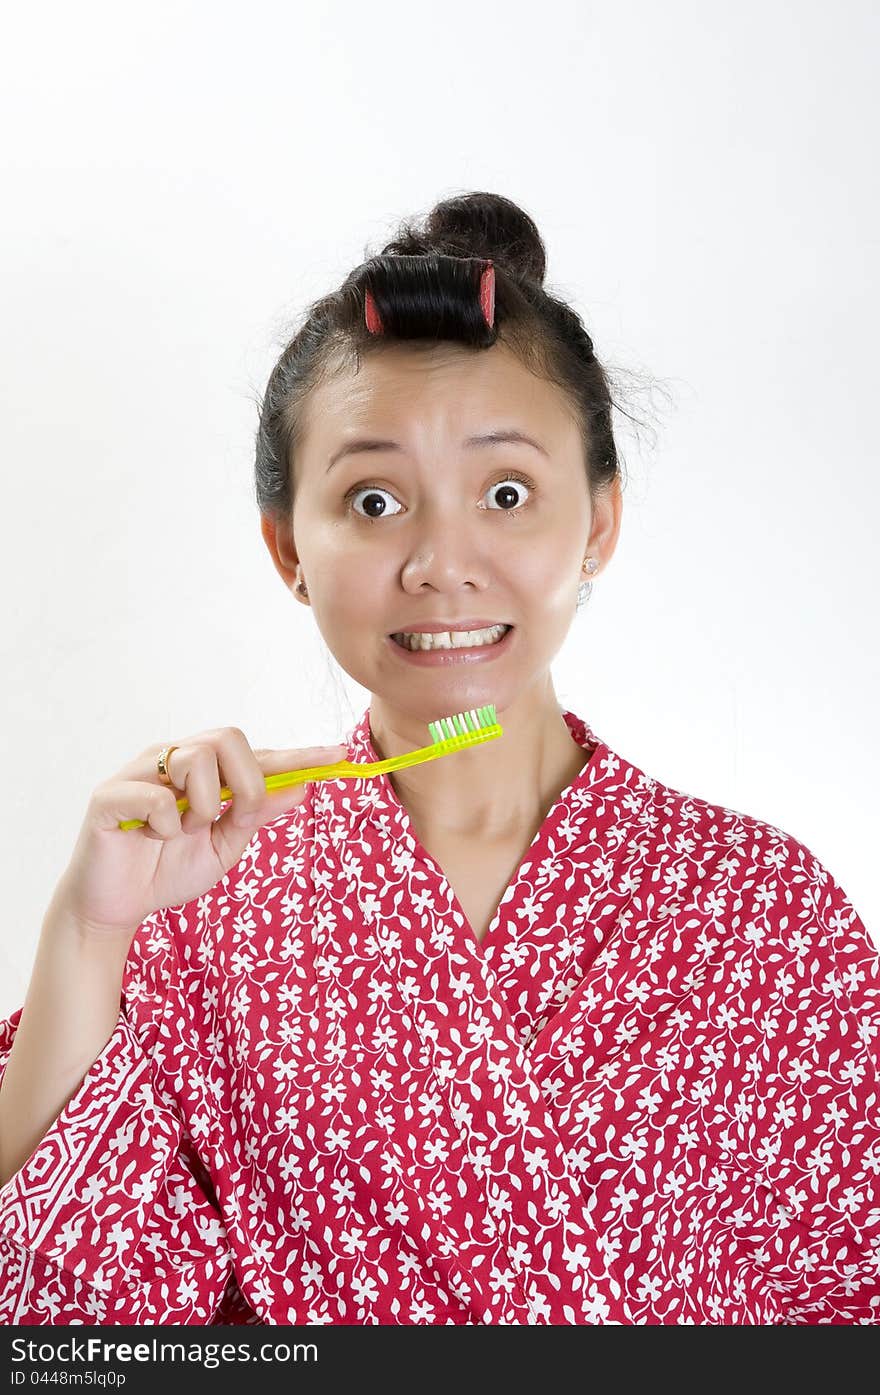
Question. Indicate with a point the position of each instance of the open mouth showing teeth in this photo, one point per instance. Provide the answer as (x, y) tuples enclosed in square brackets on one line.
[(452, 639)]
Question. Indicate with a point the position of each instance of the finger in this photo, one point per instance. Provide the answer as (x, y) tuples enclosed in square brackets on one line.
[(118, 801), (273, 802), (164, 820), (195, 772), (243, 774), (200, 767), (299, 758)]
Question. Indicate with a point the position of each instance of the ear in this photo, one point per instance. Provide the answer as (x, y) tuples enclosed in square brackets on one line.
[(605, 526), (278, 537)]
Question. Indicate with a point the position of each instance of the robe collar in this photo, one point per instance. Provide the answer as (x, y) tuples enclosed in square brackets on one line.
[(607, 781)]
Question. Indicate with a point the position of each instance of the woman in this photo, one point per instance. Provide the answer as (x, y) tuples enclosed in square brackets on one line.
[(521, 1035)]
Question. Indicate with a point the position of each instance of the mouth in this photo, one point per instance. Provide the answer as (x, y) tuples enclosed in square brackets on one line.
[(452, 647)]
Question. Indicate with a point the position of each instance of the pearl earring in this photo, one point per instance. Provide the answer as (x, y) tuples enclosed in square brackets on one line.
[(586, 587)]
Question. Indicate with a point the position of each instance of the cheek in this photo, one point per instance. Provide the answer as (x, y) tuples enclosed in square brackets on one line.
[(332, 553), (550, 572), (354, 584), (350, 594)]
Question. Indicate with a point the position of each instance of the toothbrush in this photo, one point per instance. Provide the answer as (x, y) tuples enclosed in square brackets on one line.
[(448, 734)]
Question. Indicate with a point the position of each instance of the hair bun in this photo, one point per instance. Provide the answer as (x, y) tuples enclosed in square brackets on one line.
[(478, 224)]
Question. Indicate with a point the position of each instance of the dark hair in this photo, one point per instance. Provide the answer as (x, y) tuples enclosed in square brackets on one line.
[(424, 284)]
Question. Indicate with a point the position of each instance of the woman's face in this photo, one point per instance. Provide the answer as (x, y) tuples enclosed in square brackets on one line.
[(427, 527)]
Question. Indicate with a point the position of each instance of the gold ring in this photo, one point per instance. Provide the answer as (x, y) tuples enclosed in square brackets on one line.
[(164, 756)]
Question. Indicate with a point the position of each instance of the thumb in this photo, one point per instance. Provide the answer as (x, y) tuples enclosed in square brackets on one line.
[(327, 753), (274, 762)]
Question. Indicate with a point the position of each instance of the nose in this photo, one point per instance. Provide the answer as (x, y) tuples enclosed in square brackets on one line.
[(445, 553)]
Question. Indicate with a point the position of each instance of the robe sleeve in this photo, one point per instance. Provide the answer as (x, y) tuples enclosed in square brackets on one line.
[(818, 1141), (113, 1218)]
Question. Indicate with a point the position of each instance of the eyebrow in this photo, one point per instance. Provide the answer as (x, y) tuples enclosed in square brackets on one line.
[(489, 438)]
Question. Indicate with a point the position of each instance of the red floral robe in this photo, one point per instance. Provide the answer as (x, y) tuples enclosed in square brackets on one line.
[(649, 1096)]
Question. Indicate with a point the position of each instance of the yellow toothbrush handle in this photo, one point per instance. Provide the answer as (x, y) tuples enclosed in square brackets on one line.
[(341, 769)]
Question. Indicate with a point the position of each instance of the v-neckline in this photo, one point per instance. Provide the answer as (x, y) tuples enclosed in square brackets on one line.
[(488, 949), (448, 994)]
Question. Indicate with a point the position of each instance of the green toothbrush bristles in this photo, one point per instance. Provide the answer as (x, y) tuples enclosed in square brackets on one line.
[(448, 728)]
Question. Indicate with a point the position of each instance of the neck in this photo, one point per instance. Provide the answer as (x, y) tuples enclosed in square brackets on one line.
[(496, 790)]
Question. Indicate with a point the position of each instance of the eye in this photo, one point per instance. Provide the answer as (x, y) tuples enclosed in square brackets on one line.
[(372, 495), (505, 489), (372, 492)]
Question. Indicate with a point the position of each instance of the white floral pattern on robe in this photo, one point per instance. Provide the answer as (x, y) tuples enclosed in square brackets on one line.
[(649, 1096)]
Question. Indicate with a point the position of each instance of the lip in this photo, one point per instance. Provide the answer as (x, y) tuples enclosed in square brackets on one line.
[(434, 658)]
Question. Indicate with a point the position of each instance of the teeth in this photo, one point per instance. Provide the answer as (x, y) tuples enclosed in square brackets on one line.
[(453, 639)]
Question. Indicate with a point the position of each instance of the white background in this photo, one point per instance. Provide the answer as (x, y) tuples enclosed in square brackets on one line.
[(180, 181)]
